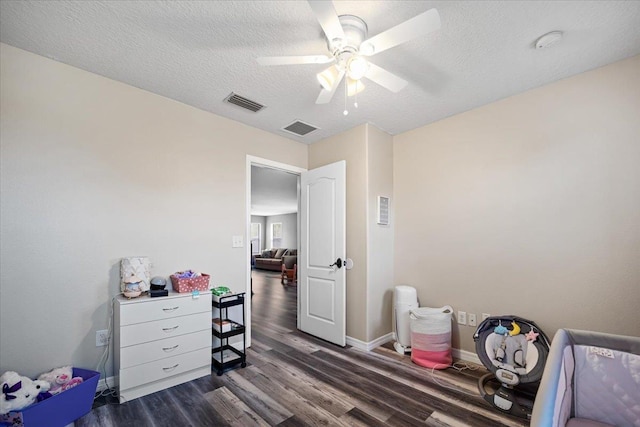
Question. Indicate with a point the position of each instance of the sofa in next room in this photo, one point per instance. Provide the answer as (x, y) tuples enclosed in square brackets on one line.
[(271, 259)]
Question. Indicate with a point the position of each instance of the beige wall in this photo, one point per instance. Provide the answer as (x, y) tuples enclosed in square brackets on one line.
[(380, 237), (351, 146), (93, 170), (529, 205), (368, 152)]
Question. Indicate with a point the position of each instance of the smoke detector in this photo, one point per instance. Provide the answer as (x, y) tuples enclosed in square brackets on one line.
[(548, 39)]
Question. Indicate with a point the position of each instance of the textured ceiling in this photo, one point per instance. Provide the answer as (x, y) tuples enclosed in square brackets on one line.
[(200, 52)]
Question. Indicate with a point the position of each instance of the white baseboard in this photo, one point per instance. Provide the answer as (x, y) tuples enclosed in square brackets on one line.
[(457, 353), (467, 356), (110, 381), (368, 346)]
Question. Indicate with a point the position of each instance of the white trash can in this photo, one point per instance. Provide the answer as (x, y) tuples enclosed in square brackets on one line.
[(431, 337), (405, 300)]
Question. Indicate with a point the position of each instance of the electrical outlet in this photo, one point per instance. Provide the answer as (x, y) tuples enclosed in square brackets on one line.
[(485, 315), (472, 319), (102, 338), (462, 317)]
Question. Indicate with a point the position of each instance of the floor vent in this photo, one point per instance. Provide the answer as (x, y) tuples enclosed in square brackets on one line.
[(243, 102), (299, 128)]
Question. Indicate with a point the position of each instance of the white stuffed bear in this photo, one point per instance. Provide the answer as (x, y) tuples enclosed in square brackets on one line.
[(18, 392), (61, 379)]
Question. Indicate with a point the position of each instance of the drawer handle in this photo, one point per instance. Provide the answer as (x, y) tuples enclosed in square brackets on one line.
[(171, 368), (170, 329), (169, 349), (171, 308)]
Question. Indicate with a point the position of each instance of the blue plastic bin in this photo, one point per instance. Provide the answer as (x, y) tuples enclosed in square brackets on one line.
[(65, 407)]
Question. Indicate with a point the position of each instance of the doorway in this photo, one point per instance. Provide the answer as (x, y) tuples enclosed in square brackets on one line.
[(280, 175)]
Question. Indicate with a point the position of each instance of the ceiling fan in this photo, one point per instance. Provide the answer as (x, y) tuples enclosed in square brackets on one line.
[(349, 47)]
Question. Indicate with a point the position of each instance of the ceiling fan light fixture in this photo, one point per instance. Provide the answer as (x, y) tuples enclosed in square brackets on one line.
[(327, 77), (357, 67), (367, 49), (354, 87), (349, 48)]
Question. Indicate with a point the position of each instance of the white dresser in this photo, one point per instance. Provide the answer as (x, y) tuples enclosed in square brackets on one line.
[(161, 342)]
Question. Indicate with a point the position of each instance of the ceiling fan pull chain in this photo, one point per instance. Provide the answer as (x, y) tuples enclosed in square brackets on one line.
[(355, 104), (345, 112)]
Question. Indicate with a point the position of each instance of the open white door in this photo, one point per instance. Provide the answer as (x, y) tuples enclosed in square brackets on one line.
[(321, 271)]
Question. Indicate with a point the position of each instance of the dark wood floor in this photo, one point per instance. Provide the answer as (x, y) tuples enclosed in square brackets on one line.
[(293, 379)]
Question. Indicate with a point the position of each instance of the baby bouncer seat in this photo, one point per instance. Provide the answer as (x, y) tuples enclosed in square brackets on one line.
[(515, 351)]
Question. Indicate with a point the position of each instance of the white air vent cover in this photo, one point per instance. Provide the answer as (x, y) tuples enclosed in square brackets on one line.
[(243, 102), (299, 128), (383, 210)]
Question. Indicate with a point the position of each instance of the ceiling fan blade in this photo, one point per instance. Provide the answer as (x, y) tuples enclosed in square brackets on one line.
[(326, 95), (385, 78), (328, 19), (417, 26), (294, 60)]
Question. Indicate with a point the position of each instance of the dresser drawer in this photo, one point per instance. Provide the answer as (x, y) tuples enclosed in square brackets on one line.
[(165, 368), (160, 349), (151, 310), (160, 329)]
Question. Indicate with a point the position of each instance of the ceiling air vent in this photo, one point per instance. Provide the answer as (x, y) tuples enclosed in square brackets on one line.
[(299, 128), (243, 102)]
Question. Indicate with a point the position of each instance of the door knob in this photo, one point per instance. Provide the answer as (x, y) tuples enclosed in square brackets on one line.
[(338, 263)]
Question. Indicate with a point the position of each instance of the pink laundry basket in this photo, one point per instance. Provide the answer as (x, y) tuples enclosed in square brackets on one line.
[(431, 337)]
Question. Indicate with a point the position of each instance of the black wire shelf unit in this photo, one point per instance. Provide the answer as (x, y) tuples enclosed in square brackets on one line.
[(228, 355)]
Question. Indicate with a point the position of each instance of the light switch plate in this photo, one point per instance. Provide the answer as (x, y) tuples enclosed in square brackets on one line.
[(237, 242)]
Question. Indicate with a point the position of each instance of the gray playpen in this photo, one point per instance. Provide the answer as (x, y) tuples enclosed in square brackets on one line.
[(591, 379)]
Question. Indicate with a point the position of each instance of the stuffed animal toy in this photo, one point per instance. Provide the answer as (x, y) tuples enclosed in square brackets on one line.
[(18, 392), (61, 379)]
